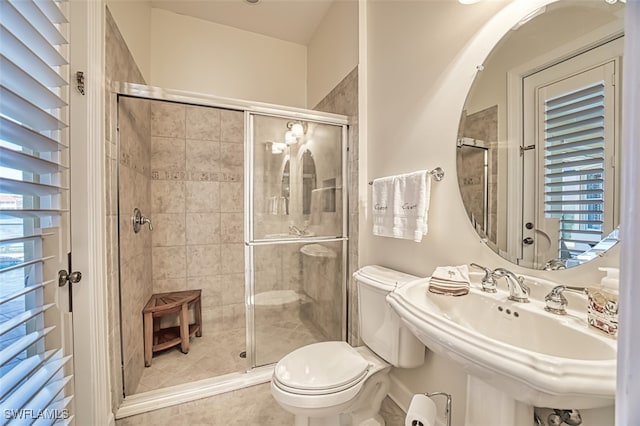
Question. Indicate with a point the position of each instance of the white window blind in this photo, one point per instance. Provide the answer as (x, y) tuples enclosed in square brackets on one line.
[(574, 165), (35, 372)]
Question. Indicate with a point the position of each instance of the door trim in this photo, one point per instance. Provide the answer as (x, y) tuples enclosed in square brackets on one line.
[(92, 395)]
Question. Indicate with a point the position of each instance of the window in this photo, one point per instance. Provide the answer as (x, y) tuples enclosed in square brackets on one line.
[(35, 367), (574, 166)]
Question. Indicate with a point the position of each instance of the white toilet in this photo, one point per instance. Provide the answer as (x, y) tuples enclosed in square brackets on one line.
[(334, 384)]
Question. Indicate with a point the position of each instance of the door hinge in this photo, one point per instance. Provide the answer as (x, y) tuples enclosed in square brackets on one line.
[(80, 82)]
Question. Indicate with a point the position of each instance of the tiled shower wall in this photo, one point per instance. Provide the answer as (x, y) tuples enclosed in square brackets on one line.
[(343, 99), (119, 66), (134, 187), (197, 207)]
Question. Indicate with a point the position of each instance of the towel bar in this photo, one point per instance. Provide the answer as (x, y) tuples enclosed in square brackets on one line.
[(437, 173)]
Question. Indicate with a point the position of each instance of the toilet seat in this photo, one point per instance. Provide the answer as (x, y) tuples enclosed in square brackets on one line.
[(326, 397), (321, 368), (324, 391)]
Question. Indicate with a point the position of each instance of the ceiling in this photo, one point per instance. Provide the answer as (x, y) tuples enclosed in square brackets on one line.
[(291, 20)]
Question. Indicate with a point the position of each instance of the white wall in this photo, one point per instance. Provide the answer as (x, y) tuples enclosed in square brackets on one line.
[(134, 21), (179, 52), (332, 51), (201, 56), (417, 84)]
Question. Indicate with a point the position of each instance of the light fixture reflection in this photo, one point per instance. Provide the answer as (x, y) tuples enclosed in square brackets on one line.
[(297, 130), (290, 138)]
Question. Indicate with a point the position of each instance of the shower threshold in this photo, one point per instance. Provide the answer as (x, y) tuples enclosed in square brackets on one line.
[(179, 394)]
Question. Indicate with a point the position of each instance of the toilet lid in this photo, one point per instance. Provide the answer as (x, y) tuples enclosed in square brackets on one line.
[(321, 367)]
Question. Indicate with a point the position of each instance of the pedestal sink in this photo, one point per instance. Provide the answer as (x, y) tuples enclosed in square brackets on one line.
[(538, 358)]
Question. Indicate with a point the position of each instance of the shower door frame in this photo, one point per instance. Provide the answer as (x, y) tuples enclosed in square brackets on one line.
[(249, 241), (164, 397)]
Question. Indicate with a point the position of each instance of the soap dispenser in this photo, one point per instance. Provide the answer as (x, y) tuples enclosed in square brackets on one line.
[(602, 312)]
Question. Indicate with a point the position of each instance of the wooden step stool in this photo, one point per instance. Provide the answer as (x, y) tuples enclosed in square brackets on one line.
[(162, 304)]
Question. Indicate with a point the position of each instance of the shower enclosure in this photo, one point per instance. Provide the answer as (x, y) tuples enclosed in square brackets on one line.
[(244, 202), (295, 234)]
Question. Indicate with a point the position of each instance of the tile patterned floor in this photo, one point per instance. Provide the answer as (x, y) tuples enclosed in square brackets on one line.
[(211, 355), (249, 406), (217, 353)]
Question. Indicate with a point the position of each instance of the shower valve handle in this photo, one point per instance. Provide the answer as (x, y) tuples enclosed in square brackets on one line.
[(139, 220)]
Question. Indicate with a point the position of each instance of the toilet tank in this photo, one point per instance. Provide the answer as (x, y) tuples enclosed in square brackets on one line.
[(380, 327)]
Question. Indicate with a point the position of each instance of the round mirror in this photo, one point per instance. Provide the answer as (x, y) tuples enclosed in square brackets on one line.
[(538, 141)]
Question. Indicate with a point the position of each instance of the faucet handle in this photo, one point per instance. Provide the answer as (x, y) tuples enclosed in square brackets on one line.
[(555, 301), (523, 286), (489, 283)]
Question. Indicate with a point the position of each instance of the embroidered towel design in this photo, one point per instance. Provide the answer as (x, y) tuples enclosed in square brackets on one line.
[(382, 205), (450, 280), (412, 193)]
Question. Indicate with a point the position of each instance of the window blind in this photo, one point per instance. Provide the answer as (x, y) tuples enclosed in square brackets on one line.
[(574, 166), (34, 370)]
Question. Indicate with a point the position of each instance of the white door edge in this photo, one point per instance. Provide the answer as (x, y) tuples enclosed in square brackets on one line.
[(92, 387)]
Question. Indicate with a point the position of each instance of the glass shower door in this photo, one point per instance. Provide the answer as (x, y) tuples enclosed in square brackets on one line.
[(295, 234)]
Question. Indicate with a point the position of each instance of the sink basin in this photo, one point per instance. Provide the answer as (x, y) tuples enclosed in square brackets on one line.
[(538, 358)]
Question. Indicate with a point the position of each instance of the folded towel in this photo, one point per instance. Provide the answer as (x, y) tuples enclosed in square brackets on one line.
[(382, 203), (412, 192), (450, 280)]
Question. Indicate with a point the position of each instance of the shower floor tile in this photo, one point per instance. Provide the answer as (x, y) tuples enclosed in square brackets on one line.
[(217, 352), (213, 354)]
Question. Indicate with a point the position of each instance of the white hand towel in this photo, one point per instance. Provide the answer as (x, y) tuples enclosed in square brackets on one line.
[(412, 192), (382, 206)]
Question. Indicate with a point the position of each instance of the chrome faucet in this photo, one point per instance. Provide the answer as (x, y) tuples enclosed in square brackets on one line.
[(518, 291), (294, 230), (555, 264)]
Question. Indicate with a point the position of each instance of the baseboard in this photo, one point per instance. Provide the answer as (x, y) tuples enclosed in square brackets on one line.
[(399, 393), (175, 395)]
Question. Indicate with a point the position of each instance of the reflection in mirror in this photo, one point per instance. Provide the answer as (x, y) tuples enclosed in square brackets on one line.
[(537, 147), (308, 181), (286, 188)]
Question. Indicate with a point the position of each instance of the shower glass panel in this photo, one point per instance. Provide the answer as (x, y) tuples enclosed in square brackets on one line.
[(310, 165), (473, 163), (298, 293), (295, 234)]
